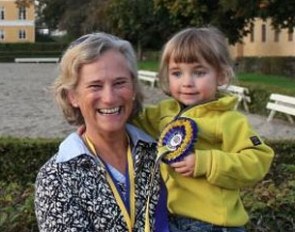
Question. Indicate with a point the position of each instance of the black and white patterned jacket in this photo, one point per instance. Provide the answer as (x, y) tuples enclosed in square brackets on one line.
[(72, 193)]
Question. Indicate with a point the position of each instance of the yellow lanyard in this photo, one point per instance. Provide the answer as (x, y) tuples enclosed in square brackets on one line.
[(129, 218)]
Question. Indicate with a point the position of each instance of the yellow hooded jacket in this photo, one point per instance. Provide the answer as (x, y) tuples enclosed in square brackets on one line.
[(229, 155)]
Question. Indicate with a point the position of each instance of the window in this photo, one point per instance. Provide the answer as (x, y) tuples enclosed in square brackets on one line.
[(22, 34), (290, 36), (252, 33), (2, 13), (1, 35), (22, 13), (277, 35), (263, 33)]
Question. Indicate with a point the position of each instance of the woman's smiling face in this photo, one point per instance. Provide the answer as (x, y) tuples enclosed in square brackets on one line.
[(105, 93)]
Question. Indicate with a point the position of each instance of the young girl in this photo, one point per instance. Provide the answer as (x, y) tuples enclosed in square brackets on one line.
[(204, 187)]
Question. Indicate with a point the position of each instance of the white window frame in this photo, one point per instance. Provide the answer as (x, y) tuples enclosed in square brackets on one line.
[(252, 35), (2, 35), (22, 13), (263, 33), (22, 34), (2, 13), (277, 35)]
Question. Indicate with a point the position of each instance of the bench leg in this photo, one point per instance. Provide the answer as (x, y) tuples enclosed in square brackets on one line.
[(290, 119), (246, 106), (238, 103), (270, 116)]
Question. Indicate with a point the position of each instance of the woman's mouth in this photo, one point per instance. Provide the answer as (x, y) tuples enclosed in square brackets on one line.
[(115, 110)]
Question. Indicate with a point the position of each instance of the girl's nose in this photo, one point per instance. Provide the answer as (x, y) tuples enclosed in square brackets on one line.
[(187, 81)]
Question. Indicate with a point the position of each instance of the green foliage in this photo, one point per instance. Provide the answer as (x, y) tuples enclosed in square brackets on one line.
[(136, 21), (268, 65), (281, 12), (17, 208), (150, 22), (268, 81), (33, 47), (261, 93), (21, 159), (270, 203), (8, 52), (230, 16), (148, 65)]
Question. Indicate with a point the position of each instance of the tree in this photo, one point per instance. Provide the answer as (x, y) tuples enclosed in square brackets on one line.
[(76, 17), (230, 16), (136, 21), (26, 3), (281, 13), (51, 12), (148, 23)]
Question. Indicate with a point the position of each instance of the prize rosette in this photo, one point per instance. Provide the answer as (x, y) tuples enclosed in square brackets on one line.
[(177, 140)]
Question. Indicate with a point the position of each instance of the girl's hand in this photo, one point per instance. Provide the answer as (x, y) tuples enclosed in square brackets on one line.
[(186, 166)]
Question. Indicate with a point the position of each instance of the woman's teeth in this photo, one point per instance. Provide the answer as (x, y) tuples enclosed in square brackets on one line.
[(109, 111)]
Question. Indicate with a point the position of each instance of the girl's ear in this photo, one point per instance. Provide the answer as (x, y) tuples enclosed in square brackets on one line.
[(72, 98), (222, 79)]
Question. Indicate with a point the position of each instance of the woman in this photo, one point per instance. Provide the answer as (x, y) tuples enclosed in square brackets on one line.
[(99, 181)]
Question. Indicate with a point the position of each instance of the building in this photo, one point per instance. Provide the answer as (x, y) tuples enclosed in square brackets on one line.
[(264, 41), (17, 23)]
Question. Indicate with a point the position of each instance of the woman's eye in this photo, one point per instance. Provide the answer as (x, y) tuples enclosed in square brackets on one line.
[(96, 86), (120, 84)]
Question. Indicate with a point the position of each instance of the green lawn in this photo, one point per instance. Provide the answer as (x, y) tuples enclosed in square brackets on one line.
[(267, 80), (150, 65), (274, 81)]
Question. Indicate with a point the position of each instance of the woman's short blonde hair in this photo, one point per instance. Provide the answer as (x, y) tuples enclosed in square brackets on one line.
[(86, 50), (193, 45)]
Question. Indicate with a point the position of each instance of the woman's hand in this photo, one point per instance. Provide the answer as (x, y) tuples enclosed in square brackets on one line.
[(186, 166)]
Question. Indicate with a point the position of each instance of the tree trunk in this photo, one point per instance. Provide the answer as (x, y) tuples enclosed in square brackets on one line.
[(139, 50)]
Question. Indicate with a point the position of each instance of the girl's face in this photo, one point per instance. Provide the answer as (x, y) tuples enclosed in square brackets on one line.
[(105, 94), (193, 83)]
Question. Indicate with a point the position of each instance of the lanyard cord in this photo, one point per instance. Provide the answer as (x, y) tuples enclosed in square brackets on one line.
[(129, 217), (154, 171)]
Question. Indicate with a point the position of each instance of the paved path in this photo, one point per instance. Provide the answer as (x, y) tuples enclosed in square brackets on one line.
[(27, 108)]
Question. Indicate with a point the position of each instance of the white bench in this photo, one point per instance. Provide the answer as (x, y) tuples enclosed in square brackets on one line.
[(281, 103), (37, 60), (241, 92), (148, 76)]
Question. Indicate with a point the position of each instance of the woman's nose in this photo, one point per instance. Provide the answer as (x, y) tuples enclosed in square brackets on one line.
[(108, 94)]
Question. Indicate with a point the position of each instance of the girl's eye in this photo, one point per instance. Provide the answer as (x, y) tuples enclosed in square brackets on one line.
[(200, 73), (176, 74)]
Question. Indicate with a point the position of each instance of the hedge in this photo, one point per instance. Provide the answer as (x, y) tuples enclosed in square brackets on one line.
[(270, 203), (268, 65), (8, 52), (259, 95)]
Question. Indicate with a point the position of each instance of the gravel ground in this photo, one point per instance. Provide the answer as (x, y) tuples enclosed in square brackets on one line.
[(28, 109)]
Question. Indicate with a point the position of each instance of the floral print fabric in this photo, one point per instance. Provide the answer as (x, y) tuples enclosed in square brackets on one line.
[(75, 196)]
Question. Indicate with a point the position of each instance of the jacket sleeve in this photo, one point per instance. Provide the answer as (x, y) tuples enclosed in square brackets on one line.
[(243, 158), (55, 205), (148, 120)]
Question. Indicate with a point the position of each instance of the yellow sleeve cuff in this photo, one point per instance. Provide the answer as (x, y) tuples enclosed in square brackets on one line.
[(203, 158)]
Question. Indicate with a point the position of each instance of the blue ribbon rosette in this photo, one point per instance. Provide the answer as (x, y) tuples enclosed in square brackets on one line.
[(177, 140)]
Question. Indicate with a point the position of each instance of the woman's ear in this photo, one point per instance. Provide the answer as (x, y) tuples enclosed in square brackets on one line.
[(72, 98)]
